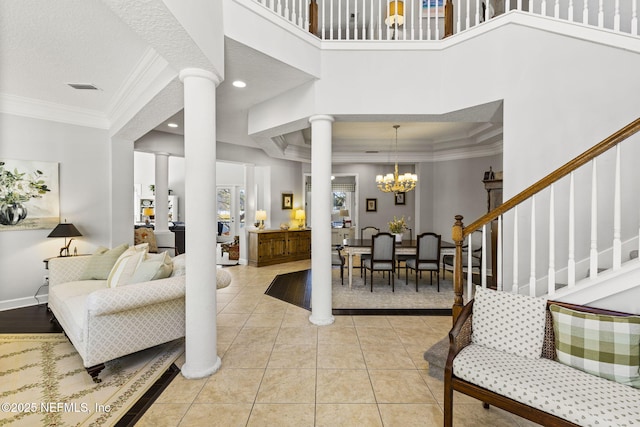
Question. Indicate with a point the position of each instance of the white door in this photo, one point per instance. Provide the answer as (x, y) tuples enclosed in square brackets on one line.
[(231, 210)]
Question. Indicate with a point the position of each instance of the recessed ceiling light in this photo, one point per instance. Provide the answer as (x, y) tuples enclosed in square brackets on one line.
[(239, 83), (172, 125)]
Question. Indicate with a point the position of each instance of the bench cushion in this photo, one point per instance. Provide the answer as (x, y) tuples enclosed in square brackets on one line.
[(550, 386), (509, 322), (602, 345)]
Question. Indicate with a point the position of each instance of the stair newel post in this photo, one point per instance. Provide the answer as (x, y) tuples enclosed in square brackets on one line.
[(448, 19), (457, 235)]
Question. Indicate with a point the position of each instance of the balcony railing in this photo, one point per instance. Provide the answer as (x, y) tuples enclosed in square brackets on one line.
[(364, 20)]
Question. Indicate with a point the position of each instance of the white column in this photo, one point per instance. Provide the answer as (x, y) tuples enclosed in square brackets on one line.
[(200, 207), (321, 220), (162, 192)]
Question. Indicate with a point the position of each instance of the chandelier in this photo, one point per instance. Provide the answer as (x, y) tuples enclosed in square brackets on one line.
[(392, 182)]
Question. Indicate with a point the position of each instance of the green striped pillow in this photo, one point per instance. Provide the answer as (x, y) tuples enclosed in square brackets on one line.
[(101, 262), (602, 345)]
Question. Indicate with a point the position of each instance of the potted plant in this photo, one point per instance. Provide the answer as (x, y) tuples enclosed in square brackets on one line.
[(397, 227), (17, 188)]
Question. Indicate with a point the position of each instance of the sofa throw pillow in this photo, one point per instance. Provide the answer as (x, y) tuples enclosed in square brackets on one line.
[(152, 267), (101, 262), (126, 265), (146, 235), (509, 322), (602, 345), (179, 265)]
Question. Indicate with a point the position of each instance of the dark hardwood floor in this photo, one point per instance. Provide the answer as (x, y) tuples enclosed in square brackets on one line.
[(295, 288), (37, 320)]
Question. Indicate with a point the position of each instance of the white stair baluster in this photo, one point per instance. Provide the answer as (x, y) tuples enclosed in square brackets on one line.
[(287, 13), (593, 255), (379, 20), (616, 17), (324, 11), (477, 12), (515, 251), (347, 20), (543, 8), (519, 5), (551, 284), (556, 9), (601, 14), (420, 33), (499, 284), (437, 20), (617, 244), (467, 21), (469, 269), (571, 266), (331, 20), (507, 5), (339, 19), (459, 18), (570, 11), (279, 8), (634, 19), (428, 23), (585, 12), (532, 267), (355, 22), (483, 267)]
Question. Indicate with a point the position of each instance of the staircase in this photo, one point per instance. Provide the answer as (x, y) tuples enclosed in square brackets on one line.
[(579, 226)]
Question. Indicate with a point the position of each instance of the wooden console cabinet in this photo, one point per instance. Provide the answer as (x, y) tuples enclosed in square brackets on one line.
[(268, 247)]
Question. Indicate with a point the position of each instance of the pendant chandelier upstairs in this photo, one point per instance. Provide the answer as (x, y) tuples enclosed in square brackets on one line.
[(394, 183)]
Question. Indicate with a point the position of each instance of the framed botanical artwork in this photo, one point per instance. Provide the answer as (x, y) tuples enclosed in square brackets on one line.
[(287, 200), (400, 198), (372, 205)]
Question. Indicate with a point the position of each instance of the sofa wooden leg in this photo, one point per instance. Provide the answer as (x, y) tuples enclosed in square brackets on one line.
[(94, 371), (485, 405)]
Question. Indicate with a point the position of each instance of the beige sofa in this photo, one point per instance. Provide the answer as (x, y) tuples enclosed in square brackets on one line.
[(104, 323)]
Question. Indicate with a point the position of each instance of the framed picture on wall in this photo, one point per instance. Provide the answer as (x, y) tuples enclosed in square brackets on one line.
[(400, 199), (287, 200), (372, 205)]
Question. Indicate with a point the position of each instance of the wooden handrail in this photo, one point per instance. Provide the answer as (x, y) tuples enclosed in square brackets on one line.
[(554, 176)]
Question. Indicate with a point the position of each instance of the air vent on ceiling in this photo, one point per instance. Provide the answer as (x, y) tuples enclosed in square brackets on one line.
[(83, 86), (372, 152)]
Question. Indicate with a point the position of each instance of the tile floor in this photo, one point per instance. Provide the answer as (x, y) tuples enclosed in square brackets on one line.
[(280, 370)]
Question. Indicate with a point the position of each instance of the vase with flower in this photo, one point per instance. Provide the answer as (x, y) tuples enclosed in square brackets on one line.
[(397, 228), (16, 188)]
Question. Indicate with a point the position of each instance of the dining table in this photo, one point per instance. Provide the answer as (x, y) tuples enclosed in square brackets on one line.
[(405, 247)]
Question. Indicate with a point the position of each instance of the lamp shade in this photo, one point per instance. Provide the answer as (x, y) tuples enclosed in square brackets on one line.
[(65, 230), (300, 214), (396, 13), (261, 215), (147, 211)]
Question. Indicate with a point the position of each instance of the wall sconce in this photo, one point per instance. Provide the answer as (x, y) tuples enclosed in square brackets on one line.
[(65, 230), (301, 216), (261, 216)]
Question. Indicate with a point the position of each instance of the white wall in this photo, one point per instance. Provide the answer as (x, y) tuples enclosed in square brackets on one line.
[(84, 166)]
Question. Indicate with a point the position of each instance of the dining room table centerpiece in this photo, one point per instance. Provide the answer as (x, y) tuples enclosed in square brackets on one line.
[(397, 227)]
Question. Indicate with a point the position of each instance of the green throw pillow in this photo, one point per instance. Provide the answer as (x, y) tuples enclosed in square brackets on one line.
[(101, 262), (602, 345)]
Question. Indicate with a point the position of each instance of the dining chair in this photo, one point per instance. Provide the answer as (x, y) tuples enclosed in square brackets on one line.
[(366, 233), (383, 251), (337, 259), (476, 256), (403, 258), (427, 258)]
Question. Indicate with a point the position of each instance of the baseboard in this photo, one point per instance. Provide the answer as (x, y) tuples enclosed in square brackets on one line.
[(23, 302)]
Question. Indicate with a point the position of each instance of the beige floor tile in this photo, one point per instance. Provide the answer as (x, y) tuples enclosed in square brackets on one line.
[(218, 415), (247, 356), (437, 389), (355, 414), (163, 415), (293, 356), (371, 322), (337, 356), (288, 386), (239, 307), (374, 338), (231, 386), (416, 353), (181, 390), (297, 317), (256, 336), (297, 335), (265, 320), (425, 337), (412, 322), (387, 357), (338, 336), (475, 415), (344, 386), (400, 386), (282, 415), (411, 415), (232, 320), (271, 305), (343, 322)]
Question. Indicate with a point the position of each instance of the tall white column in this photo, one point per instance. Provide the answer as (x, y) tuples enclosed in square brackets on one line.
[(200, 207), (321, 126), (162, 192)]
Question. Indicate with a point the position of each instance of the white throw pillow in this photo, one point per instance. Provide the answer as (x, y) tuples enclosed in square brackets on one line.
[(179, 265), (509, 322), (152, 267), (125, 266)]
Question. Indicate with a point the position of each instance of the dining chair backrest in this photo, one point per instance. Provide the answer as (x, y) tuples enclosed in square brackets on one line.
[(367, 232), (383, 248), (428, 247)]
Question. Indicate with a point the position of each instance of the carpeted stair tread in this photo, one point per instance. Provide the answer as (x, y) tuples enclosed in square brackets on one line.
[(437, 358)]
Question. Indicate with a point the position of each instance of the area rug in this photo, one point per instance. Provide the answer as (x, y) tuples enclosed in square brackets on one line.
[(43, 381)]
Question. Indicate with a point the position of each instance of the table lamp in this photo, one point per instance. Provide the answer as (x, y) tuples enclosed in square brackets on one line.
[(261, 216), (300, 216), (148, 213), (344, 213), (65, 230)]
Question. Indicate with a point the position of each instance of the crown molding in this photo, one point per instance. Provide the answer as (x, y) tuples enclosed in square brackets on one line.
[(43, 110)]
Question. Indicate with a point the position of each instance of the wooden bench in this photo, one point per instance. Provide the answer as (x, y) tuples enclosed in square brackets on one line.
[(460, 337)]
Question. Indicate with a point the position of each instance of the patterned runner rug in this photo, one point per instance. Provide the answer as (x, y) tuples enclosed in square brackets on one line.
[(43, 381)]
